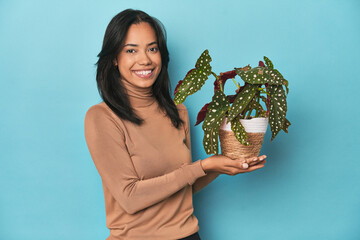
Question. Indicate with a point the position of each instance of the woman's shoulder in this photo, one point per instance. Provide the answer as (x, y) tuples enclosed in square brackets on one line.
[(183, 112), (99, 110), (181, 107), (100, 115)]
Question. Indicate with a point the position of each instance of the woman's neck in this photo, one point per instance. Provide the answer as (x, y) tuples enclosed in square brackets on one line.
[(139, 97)]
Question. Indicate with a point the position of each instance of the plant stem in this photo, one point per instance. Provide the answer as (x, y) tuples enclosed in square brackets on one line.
[(258, 102), (268, 100), (237, 85), (216, 77), (248, 116)]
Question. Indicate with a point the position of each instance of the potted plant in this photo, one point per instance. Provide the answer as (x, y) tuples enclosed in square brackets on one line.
[(226, 112)]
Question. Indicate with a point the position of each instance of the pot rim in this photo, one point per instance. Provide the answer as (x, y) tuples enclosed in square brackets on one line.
[(253, 125)]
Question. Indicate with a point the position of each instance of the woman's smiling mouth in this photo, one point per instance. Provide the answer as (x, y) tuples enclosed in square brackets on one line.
[(143, 73)]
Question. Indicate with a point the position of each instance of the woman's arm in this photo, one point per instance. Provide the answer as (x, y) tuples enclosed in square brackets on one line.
[(106, 143), (202, 182)]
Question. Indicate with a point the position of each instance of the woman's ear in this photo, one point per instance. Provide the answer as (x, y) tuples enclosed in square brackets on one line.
[(115, 62)]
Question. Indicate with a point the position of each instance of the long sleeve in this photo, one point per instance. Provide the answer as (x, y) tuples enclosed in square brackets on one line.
[(107, 145), (201, 182)]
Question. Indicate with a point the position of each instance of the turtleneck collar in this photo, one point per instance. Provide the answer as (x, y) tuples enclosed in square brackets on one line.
[(139, 97)]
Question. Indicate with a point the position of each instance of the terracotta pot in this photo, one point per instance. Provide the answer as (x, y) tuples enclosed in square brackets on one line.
[(232, 148)]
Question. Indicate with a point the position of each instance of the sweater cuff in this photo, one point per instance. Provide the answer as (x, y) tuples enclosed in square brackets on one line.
[(194, 171)]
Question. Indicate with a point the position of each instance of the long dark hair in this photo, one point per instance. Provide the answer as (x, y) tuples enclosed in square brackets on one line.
[(108, 81)]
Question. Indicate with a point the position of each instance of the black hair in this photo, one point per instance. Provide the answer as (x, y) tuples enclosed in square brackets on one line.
[(108, 81)]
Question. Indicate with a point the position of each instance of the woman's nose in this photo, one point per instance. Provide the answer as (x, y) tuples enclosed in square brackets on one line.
[(144, 59)]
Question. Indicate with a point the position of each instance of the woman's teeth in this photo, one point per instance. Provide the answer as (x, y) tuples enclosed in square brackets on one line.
[(143, 73)]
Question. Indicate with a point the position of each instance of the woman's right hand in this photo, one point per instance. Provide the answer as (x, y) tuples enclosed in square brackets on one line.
[(225, 165)]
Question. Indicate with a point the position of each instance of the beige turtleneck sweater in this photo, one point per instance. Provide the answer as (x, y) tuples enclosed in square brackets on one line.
[(146, 170)]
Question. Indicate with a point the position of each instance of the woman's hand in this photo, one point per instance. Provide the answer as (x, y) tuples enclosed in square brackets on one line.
[(225, 165)]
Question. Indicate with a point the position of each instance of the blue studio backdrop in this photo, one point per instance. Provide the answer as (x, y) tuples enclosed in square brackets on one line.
[(309, 188)]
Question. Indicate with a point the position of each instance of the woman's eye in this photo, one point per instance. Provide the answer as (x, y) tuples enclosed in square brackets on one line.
[(130, 50), (154, 49)]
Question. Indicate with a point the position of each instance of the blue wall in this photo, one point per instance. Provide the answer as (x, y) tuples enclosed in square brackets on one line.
[(309, 189)]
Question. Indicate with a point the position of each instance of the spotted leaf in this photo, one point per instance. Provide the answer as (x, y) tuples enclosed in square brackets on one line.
[(242, 100), (218, 106), (195, 79), (239, 131), (284, 81), (177, 86), (286, 125), (210, 141), (260, 75), (214, 117), (253, 75), (273, 77), (278, 108), (268, 62)]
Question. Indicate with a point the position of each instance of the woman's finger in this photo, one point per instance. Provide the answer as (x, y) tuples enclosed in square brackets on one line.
[(262, 157), (256, 160), (257, 166), (252, 159)]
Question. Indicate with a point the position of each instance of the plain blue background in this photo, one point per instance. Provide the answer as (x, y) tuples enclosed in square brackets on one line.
[(309, 189)]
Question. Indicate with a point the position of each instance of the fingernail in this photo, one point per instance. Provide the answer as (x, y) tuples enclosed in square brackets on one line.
[(254, 159), (245, 165)]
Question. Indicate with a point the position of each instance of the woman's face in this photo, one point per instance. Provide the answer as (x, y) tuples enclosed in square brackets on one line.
[(139, 62)]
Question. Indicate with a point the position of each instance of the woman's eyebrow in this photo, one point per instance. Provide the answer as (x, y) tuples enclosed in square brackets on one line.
[(152, 43), (131, 45), (136, 45)]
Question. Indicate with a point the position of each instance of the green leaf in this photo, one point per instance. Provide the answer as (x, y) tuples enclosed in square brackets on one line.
[(273, 77), (214, 117), (284, 81), (218, 107), (195, 79), (210, 141), (278, 108), (239, 131), (261, 75), (242, 100), (268, 62), (286, 125), (276, 78), (252, 76)]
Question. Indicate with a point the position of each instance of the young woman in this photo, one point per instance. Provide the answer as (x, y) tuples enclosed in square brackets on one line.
[(139, 139)]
